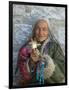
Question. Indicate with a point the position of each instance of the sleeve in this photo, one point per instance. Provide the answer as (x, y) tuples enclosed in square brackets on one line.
[(55, 71), (49, 66), (59, 60), (22, 64)]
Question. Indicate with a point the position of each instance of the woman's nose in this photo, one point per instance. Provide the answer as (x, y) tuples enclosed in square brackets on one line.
[(40, 31)]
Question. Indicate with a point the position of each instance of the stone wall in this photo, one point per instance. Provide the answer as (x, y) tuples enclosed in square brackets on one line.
[(24, 17)]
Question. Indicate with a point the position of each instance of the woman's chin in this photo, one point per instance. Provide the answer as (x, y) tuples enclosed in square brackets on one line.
[(41, 39)]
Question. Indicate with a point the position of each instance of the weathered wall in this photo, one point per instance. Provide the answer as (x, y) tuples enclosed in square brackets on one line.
[(24, 16)]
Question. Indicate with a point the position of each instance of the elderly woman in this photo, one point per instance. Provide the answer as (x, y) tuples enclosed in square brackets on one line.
[(48, 50)]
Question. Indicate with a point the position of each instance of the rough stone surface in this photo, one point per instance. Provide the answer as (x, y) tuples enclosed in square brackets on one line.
[(24, 17)]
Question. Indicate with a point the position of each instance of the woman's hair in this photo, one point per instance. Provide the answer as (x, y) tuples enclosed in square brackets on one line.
[(35, 26), (49, 30)]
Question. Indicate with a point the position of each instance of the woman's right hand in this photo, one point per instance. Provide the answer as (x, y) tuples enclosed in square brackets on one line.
[(35, 55)]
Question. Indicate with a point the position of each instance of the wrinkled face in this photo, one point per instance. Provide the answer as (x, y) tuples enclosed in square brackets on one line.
[(41, 32)]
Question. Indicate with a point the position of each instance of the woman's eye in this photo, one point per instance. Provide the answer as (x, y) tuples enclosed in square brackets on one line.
[(37, 29), (44, 29)]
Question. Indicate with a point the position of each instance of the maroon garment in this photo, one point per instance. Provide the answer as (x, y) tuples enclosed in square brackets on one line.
[(24, 54)]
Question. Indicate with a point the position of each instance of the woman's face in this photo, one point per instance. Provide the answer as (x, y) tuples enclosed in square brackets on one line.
[(41, 32)]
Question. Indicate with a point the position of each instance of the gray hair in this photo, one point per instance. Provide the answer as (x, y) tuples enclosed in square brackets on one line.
[(41, 20), (49, 29)]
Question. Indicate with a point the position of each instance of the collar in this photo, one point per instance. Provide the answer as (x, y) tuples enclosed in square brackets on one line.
[(45, 42)]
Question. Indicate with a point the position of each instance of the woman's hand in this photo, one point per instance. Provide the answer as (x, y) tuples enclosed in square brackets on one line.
[(35, 55)]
